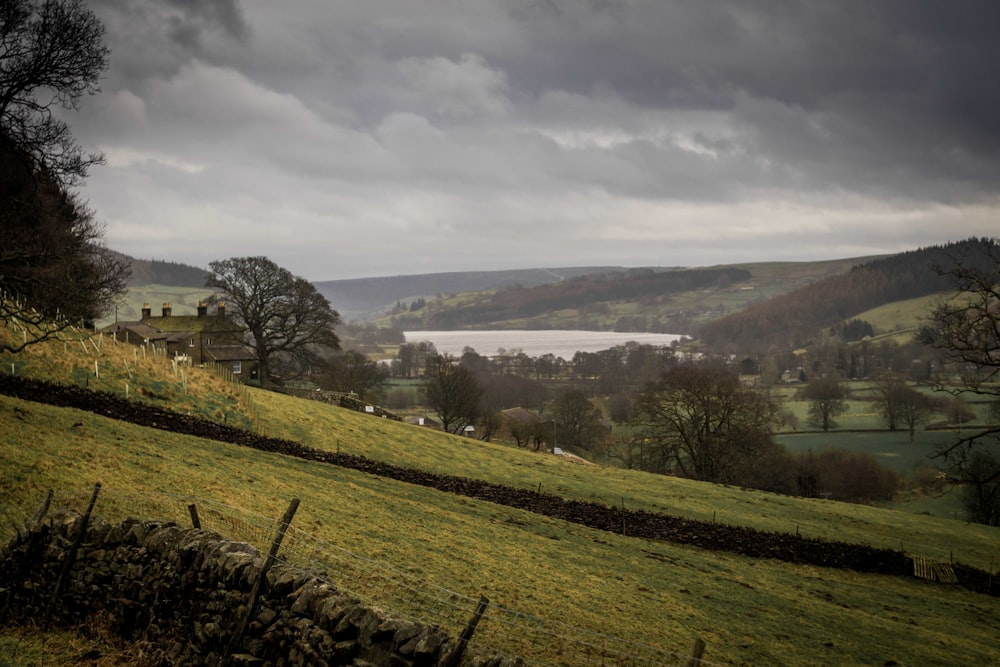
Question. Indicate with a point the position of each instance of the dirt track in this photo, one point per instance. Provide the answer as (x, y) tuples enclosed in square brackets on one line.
[(745, 541)]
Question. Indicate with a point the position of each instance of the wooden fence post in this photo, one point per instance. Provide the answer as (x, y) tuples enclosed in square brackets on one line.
[(470, 628), (195, 520), (70, 557), (237, 637), (697, 651), (40, 513)]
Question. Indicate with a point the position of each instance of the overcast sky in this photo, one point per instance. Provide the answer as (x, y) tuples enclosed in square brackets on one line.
[(353, 138)]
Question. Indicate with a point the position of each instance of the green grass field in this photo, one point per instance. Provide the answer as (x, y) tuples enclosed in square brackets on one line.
[(182, 300), (891, 449), (582, 581)]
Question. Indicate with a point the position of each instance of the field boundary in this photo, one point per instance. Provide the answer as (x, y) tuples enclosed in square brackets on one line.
[(512, 633)]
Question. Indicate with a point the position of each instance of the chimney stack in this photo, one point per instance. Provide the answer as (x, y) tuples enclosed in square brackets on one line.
[(221, 308), (147, 312), (166, 309), (202, 309)]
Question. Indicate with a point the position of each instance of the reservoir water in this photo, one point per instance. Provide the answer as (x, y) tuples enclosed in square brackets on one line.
[(561, 343)]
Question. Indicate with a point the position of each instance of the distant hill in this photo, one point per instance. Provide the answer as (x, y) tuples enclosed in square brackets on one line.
[(159, 272), (655, 300), (360, 299), (797, 318), (369, 298), (749, 306)]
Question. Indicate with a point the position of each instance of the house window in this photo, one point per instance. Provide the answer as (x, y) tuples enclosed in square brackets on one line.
[(237, 367), (190, 342)]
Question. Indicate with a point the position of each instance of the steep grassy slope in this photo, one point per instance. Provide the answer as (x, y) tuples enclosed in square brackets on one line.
[(901, 319), (749, 611)]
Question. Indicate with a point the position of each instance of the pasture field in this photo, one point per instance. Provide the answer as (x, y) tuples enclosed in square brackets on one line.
[(182, 300), (861, 414), (647, 592), (900, 317), (642, 592), (891, 448)]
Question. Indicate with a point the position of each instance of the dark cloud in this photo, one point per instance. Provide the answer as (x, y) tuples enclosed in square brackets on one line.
[(224, 14), (906, 89), (601, 129)]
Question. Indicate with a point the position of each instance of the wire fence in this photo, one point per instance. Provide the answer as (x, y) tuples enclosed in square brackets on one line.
[(399, 594)]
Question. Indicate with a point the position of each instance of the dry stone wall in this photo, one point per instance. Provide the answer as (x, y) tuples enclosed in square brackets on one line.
[(181, 593)]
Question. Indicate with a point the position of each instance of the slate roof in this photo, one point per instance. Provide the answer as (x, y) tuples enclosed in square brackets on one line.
[(193, 323), (522, 416), (230, 353), (138, 329)]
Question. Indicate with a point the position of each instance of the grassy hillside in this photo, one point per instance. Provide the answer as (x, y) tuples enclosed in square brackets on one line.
[(799, 317), (361, 299), (620, 300), (372, 298), (560, 577), (182, 300), (901, 319)]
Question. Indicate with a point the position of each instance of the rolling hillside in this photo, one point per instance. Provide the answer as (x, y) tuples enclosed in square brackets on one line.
[(655, 300), (800, 316), (567, 578), (761, 304), (658, 299), (370, 298)]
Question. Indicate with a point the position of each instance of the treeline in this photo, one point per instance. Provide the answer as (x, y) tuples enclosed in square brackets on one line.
[(158, 272), (797, 318), (579, 293)]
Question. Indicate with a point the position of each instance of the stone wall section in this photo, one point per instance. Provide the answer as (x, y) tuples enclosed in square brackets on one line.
[(180, 594)]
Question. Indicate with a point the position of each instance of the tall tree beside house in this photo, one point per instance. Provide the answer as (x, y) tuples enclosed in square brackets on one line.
[(54, 269), (283, 314)]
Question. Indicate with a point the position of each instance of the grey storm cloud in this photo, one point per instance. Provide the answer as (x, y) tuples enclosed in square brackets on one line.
[(640, 132)]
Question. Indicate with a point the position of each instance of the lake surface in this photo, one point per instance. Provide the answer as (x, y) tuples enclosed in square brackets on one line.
[(561, 343)]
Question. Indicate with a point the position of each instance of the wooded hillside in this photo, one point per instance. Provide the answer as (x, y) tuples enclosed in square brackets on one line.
[(159, 272), (797, 318), (581, 293), (365, 298)]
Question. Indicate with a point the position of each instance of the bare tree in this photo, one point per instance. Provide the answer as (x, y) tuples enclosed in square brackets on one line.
[(283, 314), (701, 423), (52, 53), (54, 269), (827, 398), (413, 358), (965, 327), (980, 492), (899, 403), (354, 372), (453, 392), (578, 421)]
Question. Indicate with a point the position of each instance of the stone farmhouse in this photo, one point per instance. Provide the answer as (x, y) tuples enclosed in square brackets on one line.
[(200, 339)]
